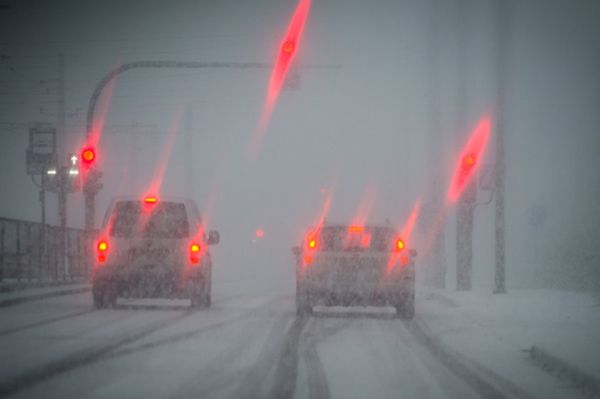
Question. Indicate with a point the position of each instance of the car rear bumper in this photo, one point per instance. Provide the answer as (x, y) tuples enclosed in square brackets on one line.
[(148, 281), (356, 294)]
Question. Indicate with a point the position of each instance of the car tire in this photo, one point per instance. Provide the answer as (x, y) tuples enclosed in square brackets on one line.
[(406, 309), (199, 295), (104, 295), (200, 300), (303, 305)]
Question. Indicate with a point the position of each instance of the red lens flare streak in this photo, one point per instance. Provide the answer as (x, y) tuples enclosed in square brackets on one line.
[(153, 191), (90, 147), (360, 219), (364, 207), (469, 159), (159, 173), (311, 240), (285, 57), (401, 243)]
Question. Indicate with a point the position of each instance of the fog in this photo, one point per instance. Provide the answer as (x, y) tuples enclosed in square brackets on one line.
[(374, 125), (368, 125)]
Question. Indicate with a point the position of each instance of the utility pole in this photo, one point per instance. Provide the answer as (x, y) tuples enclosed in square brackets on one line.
[(436, 271), (465, 208), (188, 123), (63, 179), (502, 20)]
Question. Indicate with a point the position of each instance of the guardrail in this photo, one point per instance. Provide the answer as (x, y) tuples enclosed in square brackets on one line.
[(30, 251)]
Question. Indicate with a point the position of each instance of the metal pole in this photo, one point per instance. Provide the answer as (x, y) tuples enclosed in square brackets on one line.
[(500, 175), (62, 214), (464, 210), (436, 271)]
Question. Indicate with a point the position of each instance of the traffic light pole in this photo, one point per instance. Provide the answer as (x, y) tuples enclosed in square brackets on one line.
[(502, 14), (91, 188), (465, 211)]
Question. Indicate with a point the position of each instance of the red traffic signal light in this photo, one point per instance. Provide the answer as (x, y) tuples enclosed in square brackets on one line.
[(288, 47), (88, 155), (468, 161)]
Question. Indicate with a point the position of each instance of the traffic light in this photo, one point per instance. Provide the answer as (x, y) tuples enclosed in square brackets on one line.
[(88, 156), (468, 162), (469, 159), (288, 47)]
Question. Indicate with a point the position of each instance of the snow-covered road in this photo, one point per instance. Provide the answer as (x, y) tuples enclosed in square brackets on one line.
[(245, 346)]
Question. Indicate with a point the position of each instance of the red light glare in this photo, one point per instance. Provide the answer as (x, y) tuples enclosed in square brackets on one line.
[(312, 243), (194, 253), (365, 240), (88, 155), (356, 229), (283, 62), (288, 47), (260, 233), (469, 159), (400, 244), (404, 260), (102, 249), (150, 200)]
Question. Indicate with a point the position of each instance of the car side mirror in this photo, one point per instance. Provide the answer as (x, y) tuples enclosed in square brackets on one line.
[(296, 250), (213, 237), (413, 252)]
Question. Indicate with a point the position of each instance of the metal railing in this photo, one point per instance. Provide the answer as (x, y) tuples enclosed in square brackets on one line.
[(30, 251)]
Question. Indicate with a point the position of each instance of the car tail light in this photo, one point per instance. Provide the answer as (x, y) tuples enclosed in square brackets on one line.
[(150, 200), (195, 253), (102, 249), (400, 245)]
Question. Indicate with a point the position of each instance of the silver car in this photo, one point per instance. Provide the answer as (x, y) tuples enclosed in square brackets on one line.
[(153, 248), (355, 265)]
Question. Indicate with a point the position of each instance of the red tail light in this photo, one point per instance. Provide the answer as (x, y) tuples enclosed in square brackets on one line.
[(194, 253), (102, 250), (400, 245), (150, 200)]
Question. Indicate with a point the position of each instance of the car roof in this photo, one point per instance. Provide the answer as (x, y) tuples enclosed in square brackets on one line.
[(189, 204), (367, 226), (121, 198)]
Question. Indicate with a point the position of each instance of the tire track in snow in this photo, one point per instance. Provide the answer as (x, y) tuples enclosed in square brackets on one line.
[(286, 371), (44, 322), (301, 342), (173, 339), (460, 367), (79, 358)]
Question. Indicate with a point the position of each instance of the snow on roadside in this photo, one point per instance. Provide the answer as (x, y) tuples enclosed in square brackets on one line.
[(494, 331)]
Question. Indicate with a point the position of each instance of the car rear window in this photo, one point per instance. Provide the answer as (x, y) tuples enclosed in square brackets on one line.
[(343, 238), (161, 220)]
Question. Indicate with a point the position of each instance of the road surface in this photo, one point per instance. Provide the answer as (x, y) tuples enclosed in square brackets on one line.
[(246, 345)]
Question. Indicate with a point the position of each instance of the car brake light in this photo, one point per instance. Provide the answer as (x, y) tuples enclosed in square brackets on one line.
[(150, 200), (194, 253), (400, 245), (102, 249)]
